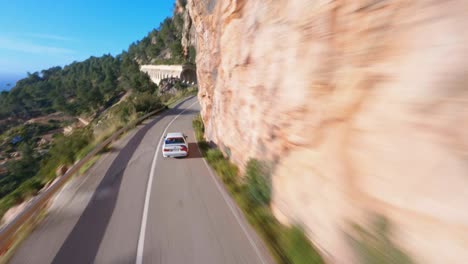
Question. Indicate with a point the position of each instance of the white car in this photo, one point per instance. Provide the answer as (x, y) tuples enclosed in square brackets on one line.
[(175, 145)]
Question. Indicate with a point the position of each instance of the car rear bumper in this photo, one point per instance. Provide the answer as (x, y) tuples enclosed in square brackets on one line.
[(175, 154)]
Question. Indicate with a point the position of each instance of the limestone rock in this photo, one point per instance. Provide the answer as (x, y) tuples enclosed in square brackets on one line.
[(362, 106)]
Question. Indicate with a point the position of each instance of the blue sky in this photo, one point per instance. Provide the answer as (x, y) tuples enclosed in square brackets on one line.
[(36, 35)]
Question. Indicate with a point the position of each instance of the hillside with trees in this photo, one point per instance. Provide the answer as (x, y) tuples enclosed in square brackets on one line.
[(163, 45), (54, 117), (80, 87)]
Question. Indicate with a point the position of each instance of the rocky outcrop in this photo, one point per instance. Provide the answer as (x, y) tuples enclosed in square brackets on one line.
[(188, 32), (170, 86), (360, 105)]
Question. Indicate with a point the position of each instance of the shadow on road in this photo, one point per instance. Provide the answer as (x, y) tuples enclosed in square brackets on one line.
[(194, 151), (82, 244), (187, 112)]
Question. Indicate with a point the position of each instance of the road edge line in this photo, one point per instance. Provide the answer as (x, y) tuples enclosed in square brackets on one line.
[(233, 211)]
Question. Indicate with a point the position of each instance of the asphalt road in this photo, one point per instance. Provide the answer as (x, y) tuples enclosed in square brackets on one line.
[(134, 206)]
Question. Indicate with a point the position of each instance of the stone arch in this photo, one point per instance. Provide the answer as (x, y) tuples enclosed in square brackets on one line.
[(188, 74)]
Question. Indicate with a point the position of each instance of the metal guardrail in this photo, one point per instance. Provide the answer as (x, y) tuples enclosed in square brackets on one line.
[(7, 233)]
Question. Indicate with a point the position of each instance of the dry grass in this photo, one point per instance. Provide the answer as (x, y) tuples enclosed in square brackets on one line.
[(89, 164), (22, 234)]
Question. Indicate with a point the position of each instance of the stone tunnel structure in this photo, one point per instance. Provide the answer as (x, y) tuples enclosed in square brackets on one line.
[(187, 73)]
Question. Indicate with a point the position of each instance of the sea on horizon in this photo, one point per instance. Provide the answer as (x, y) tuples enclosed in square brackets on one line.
[(8, 81)]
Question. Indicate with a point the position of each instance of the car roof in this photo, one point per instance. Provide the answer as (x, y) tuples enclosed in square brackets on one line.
[(175, 134)]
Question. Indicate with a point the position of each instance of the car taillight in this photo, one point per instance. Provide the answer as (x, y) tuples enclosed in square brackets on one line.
[(183, 148), (166, 149)]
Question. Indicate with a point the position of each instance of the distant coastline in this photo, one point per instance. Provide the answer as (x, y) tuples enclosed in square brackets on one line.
[(11, 79)]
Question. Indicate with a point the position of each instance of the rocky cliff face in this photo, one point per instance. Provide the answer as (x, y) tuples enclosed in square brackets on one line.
[(188, 31), (361, 105)]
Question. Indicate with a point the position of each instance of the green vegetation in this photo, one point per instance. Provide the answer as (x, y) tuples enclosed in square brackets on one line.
[(30, 132), (64, 151), (224, 168), (374, 245), (183, 93), (19, 170), (110, 91), (96, 83), (88, 164), (31, 175), (199, 128), (258, 183), (298, 248), (253, 195), (79, 88), (163, 45)]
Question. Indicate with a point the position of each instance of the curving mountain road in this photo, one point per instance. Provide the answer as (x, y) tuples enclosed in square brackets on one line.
[(134, 206)]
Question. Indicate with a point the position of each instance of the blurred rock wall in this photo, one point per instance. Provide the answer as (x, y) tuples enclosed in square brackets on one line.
[(361, 105)]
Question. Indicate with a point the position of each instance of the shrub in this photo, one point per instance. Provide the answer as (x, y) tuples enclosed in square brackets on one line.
[(228, 172), (374, 244), (165, 97), (64, 151), (20, 194), (223, 167), (125, 112), (198, 123), (214, 155), (146, 102), (199, 128), (269, 228), (204, 146), (66, 148), (258, 183), (298, 248)]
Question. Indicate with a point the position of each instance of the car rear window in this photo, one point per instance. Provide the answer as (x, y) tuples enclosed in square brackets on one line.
[(175, 140)]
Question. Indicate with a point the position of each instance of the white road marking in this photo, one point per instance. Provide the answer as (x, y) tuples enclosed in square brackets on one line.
[(231, 206), (144, 219)]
